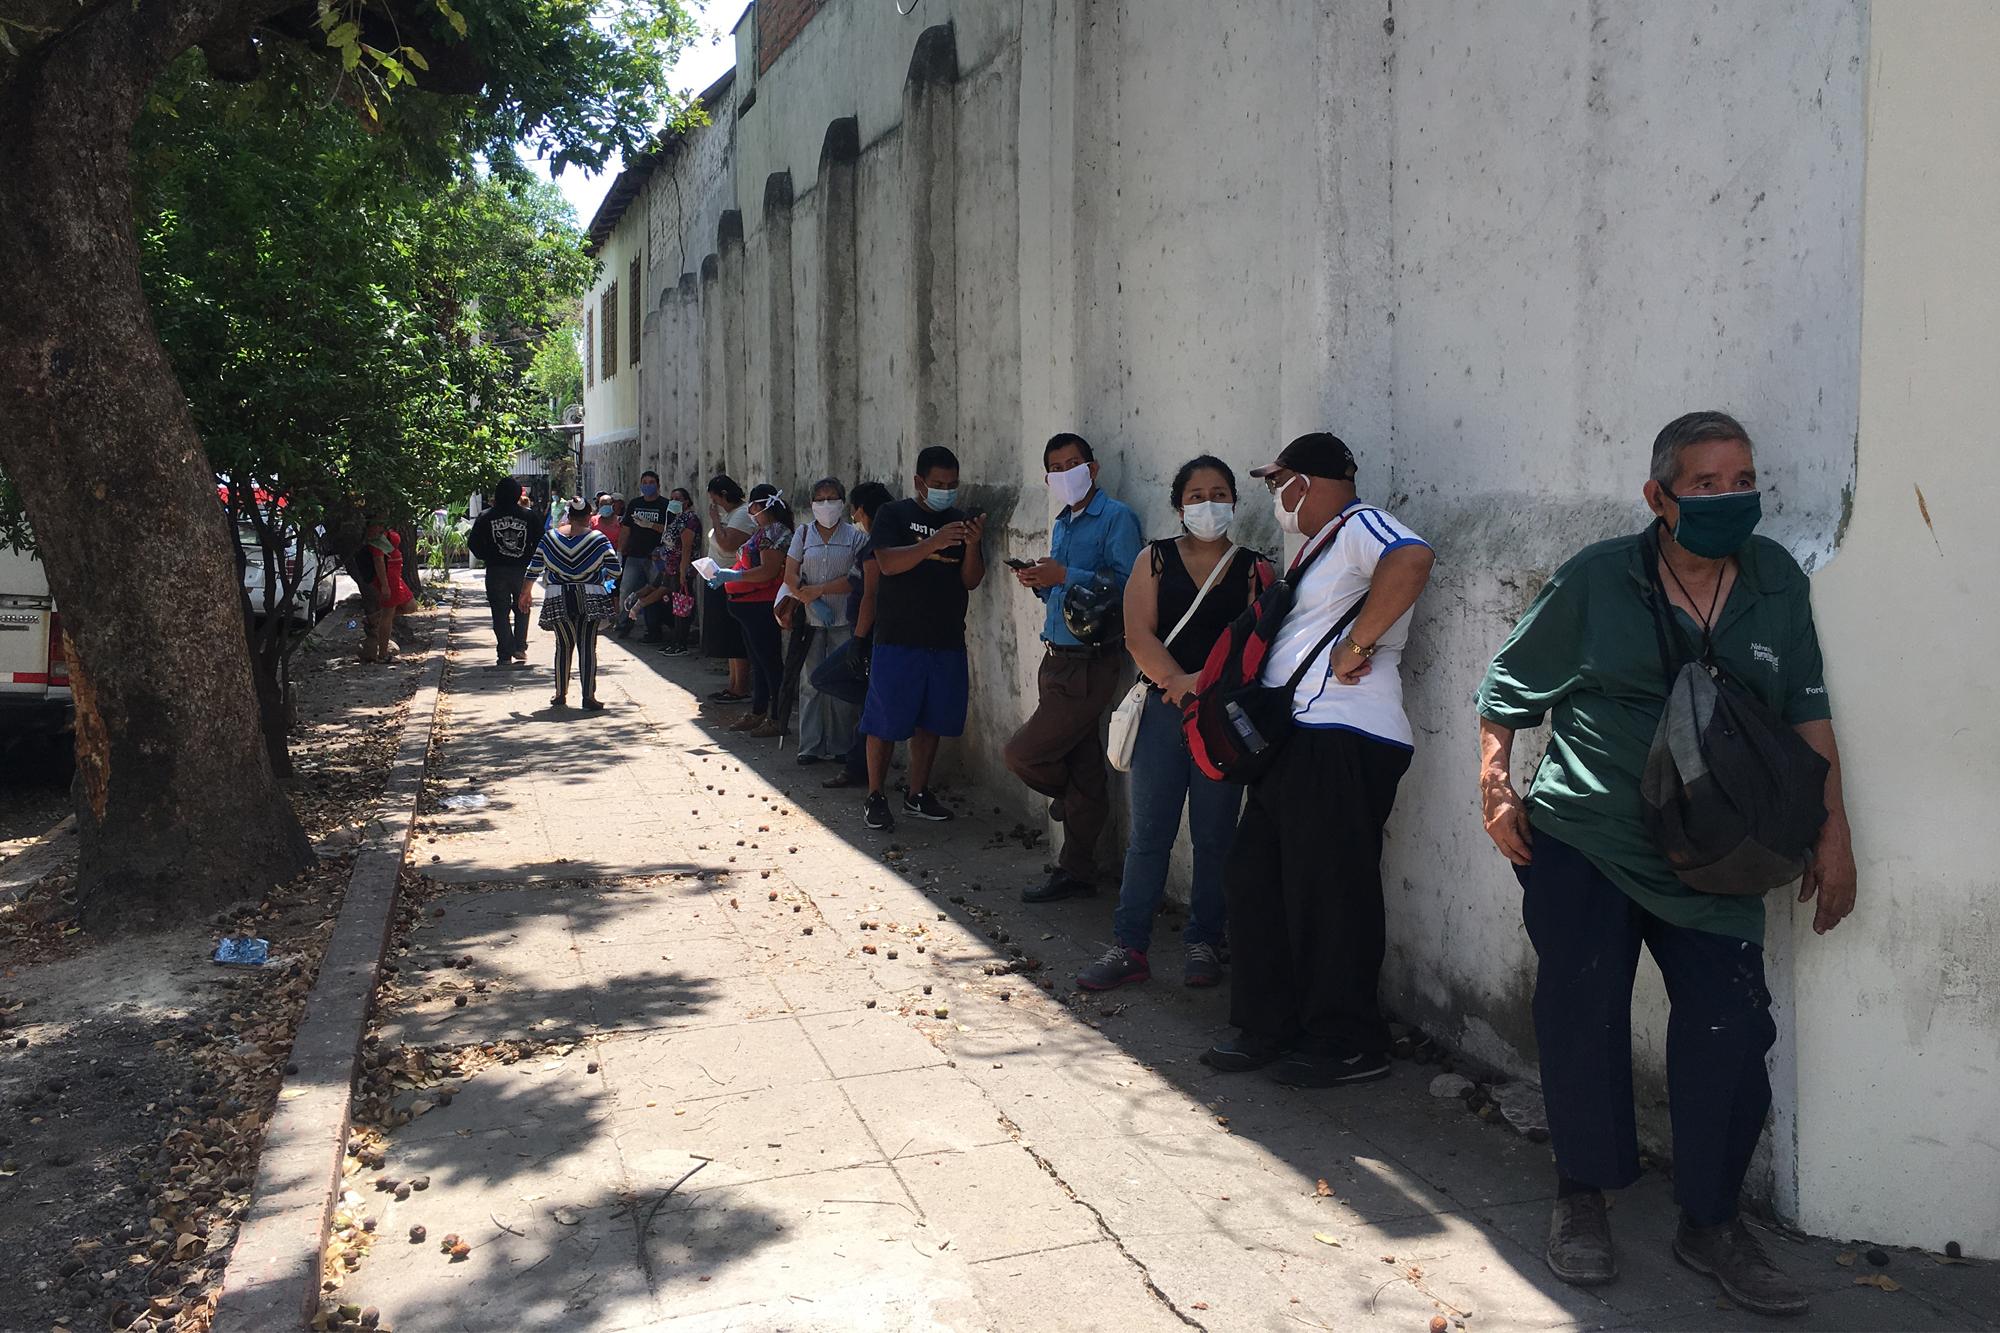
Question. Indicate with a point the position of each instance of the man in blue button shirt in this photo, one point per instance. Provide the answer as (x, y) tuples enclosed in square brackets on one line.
[(1059, 750)]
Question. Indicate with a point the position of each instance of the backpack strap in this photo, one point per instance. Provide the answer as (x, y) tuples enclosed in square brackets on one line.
[(1293, 578), (1666, 634)]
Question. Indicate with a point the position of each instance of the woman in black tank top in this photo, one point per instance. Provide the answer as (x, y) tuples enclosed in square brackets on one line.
[(1166, 582)]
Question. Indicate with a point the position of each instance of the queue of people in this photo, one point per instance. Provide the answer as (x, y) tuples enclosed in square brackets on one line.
[(859, 617)]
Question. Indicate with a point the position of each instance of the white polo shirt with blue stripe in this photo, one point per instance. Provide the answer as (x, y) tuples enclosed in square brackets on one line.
[(1373, 706)]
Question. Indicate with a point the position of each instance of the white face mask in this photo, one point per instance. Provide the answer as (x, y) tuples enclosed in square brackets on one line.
[(1208, 519), (827, 512), (1288, 519), (1070, 485)]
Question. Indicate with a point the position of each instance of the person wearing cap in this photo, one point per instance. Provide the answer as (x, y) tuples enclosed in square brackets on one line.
[(1587, 656), (1304, 877), (1059, 751)]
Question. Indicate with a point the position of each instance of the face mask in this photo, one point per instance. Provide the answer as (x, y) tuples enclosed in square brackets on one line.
[(940, 498), (1208, 519), (675, 506), (604, 511), (648, 489), (1714, 526), (1288, 519), (827, 512), (1070, 485)]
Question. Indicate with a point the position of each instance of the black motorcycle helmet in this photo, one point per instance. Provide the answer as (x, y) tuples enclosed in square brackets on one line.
[(1094, 610)]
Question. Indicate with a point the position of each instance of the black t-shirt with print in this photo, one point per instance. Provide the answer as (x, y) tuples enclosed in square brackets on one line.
[(640, 541), (923, 607)]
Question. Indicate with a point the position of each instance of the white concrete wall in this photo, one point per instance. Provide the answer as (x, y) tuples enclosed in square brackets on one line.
[(1495, 247), (1899, 1009)]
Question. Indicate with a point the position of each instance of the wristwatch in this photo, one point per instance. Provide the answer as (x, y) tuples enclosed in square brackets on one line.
[(1363, 653)]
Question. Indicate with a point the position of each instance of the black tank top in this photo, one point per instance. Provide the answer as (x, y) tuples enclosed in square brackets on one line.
[(1176, 592)]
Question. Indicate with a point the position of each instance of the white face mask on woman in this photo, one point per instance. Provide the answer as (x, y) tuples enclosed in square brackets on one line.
[(827, 512), (1288, 519), (1208, 519)]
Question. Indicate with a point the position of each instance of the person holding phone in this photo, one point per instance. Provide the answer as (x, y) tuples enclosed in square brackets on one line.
[(928, 554), (1059, 750)]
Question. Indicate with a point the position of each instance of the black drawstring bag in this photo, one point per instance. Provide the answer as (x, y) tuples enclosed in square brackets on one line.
[(1734, 797)]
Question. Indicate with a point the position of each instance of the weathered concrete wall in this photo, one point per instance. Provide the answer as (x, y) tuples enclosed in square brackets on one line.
[(1495, 247), (1899, 1010)]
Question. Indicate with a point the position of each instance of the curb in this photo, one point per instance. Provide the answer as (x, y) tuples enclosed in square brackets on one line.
[(272, 1278)]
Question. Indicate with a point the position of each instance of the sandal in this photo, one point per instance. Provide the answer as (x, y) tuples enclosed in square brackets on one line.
[(728, 697)]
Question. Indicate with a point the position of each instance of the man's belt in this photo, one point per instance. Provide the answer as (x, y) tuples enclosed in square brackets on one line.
[(1083, 650)]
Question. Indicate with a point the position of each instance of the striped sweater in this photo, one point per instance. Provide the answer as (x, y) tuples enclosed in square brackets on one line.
[(584, 558)]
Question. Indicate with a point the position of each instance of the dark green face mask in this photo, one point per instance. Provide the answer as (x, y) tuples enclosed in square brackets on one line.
[(1714, 526)]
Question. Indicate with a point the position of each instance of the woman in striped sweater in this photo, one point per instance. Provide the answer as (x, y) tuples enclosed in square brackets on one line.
[(576, 561)]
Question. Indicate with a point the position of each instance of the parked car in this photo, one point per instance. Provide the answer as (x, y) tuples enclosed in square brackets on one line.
[(34, 672), (312, 598)]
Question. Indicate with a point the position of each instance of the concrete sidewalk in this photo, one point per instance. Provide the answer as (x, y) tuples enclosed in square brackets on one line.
[(716, 970)]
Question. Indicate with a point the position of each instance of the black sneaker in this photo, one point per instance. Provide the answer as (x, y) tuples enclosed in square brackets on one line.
[(1058, 886), (876, 814), (1302, 1069), (1730, 1253), (1117, 967), (1241, 1053), (1580, 1250), (1203, 966), (923, 805)]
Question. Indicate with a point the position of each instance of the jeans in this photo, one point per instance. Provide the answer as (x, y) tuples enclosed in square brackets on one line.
[(503, 599), (1587, 934), (1164, 778), (765, 647)]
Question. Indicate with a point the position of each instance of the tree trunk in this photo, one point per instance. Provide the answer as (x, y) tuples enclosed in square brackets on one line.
[(177, 806)]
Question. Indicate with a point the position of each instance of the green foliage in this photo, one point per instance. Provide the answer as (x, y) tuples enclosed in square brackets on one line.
[(556, 370)]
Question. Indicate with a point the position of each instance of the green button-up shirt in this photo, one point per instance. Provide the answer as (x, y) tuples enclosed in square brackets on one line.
[(1586, 655)]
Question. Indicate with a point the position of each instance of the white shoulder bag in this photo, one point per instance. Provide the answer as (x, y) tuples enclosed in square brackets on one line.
[(1123, 733)]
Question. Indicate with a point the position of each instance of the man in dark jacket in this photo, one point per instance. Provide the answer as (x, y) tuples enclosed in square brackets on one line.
[(504, 537)]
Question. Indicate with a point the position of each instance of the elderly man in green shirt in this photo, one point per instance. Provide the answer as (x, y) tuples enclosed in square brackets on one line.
[(1586, 656)]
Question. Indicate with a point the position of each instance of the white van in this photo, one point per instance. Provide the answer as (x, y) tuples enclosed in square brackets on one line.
[(313, 598), (34, 674)]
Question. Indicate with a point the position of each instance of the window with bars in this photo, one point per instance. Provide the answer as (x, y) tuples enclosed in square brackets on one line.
[(632, 285), (589, 348), (607, 322)]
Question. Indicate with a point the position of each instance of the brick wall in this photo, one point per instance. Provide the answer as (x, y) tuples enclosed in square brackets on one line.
[(779, 22)]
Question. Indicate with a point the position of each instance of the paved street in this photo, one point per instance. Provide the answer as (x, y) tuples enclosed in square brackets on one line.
[(723, 974)]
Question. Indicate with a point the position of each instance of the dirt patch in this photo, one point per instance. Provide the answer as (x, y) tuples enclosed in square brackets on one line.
[(136, 1076)]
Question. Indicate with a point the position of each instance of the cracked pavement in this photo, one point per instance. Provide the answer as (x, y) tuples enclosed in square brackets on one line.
[(781, 1084)]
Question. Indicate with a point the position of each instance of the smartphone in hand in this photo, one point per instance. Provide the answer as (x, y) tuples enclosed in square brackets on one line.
[(1012, 563)]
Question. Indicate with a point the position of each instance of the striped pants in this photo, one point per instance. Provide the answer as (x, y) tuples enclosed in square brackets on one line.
[(578, 634)]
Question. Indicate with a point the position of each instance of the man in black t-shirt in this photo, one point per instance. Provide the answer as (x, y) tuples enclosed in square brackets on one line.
[(929, 558), (638, 534)]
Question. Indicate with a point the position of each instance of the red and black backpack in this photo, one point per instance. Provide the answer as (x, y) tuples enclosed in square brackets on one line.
[(1235, 726)]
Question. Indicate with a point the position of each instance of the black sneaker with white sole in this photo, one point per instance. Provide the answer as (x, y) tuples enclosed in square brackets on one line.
[(875, 814), (923, 805), (1304, 1069)]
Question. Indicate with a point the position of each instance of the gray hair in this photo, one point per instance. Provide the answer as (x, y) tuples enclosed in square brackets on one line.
[(1694, 428), (839, 487)]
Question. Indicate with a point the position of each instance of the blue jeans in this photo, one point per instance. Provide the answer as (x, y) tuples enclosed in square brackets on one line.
[(1164, 778)]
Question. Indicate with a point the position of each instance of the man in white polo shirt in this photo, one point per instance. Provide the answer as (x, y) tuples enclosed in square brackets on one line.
[(1304, 878)]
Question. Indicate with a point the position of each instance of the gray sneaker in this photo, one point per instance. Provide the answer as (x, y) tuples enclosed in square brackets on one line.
[(1580, 1251), (1730, 1253)]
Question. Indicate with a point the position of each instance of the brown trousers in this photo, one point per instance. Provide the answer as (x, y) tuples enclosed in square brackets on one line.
[(1059, 750)]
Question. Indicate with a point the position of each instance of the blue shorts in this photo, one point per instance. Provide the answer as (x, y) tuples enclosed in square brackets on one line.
[(912, 689)]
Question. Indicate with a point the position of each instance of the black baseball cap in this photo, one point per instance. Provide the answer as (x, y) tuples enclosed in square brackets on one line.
[(1317, 454)]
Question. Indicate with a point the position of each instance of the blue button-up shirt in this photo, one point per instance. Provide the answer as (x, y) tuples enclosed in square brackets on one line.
[(1103, 539)]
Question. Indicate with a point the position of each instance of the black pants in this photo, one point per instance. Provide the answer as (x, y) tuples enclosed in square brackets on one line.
[(503, 599), (1587, 934), (1304, 882), (765, 650)]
